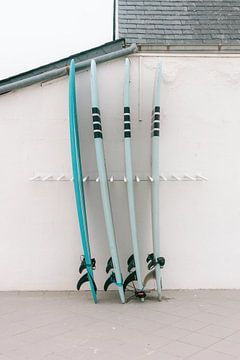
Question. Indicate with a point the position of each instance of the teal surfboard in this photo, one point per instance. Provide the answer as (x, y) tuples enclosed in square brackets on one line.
[(113, 265), (87, 263), (134, 263)]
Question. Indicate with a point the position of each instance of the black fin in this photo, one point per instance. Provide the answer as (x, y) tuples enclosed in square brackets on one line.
[(109, 265), (83, 265), (131, 263), (109, 281), (85, 279), (131, 277), (152, 262), (161, 261), (150, 257), (82, 280), (130, 259)]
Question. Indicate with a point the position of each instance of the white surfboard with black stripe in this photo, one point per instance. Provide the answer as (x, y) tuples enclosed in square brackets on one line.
[(113, 264), (134, 263), (154, 260)]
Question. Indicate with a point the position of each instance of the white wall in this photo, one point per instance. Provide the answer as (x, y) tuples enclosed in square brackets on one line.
[(200, 221)]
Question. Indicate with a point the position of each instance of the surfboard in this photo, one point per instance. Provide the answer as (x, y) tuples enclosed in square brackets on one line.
[(134, 263), (113, 264), (87, 263)]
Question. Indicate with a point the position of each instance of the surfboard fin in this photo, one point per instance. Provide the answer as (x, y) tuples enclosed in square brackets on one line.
[(131, 263), (109, 265), (130, 278), (130, 259), (109, 281), (83, 264), (150, 276), (133, 277), (152, 261), (84, 279)]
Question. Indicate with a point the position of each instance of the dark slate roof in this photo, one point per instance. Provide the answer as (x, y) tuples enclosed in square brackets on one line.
[(180, 22), (84, 55)]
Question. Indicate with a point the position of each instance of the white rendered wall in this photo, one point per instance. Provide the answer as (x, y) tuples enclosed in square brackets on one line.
[(40, 242)]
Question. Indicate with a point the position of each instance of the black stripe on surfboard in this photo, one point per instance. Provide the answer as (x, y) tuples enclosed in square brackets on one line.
[(127, 134), (95, 110), (155, 133), (155, 128), (156, 116), (98, 134), (127, 122), (97, 127), (156, 125), (96, 118), (156, 109)]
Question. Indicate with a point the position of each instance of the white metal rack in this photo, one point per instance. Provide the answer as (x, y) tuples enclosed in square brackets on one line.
[(112, 179)]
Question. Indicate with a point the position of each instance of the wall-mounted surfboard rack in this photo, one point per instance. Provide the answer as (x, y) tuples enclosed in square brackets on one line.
[(112, 178)]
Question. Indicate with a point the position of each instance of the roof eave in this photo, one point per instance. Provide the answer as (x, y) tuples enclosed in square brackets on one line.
[(60, 72), (81, 56)]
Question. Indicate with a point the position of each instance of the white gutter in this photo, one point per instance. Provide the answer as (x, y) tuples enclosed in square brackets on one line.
[(56, 73), (193, 49)]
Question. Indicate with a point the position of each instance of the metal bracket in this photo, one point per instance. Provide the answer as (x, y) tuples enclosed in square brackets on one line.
[(113, 179)]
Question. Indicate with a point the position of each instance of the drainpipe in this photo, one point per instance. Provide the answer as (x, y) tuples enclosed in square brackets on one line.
[(114, 20), (56, 73)]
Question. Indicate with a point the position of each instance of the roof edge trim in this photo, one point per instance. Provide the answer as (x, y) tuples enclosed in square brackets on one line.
[(63, 71), (104, 48)]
